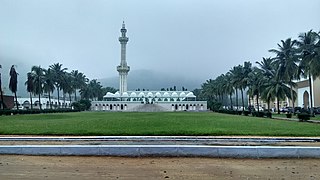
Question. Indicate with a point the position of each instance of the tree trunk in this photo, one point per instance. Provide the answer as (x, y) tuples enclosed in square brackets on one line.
[(242, 99), (231, 101), (75, 96), (311, 103), (268, 104), (292, 97), (40, 102), (2, 101), (64, 100), (278, 105), (58, 89), (50, 100), (70, 99), (258, 102), (237, 98), (15, 95), (249, 102), (31, 100)]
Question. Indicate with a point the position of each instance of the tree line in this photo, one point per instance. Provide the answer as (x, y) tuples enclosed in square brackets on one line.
[(56, 78), (272, 79)]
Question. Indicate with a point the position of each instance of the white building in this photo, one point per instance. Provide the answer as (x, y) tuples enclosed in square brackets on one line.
[(24, 103), (144, 100)]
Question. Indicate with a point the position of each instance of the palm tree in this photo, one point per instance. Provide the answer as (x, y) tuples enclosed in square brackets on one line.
[(244, 83), (58, 72), (48, 86), (279, 89), (79, 81), (14, 83), (38, 74), (308, 45), (228, 86), (30, 86), (267, 67), (236, 72), (287, 62), (67, 85), (256, 81)]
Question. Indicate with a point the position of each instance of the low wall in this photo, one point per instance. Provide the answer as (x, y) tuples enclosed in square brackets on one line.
[(165, 150)]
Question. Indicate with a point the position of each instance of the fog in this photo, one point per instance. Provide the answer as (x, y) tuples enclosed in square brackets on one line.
[(190, 38)]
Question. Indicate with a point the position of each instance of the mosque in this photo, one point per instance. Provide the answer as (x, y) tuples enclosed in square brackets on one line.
[(148, 101)]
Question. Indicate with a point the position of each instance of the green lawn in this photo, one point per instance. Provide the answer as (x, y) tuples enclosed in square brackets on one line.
[(163, 123)]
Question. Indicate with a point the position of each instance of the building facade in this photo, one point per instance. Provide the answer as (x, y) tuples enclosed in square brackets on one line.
[(149, 101)]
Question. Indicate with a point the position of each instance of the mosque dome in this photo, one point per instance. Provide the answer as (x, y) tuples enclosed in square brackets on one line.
[(108, 95), (166, 94), (133, 94), (117, 94), (190, 94), (182, 94), (150, 94), (174, 94), (125, 94), (158, 94), (141, 94)]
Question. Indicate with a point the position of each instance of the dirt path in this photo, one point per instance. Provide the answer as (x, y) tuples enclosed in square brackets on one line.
[(75, 167)]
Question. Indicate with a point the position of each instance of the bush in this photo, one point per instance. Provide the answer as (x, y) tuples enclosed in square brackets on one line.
[(246, 113), (258, 114), (268, 114), (303, 116), (34, 111), (81, 105), (289, 115)]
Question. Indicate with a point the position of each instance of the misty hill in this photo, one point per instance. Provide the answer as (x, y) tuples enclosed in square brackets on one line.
[(146, 79)]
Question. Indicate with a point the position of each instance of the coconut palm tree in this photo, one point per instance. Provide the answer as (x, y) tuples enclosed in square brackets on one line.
[(267, 67), (38, 75), (256, 80), (48, 85), (287, 62), (30, 86), (80, 81), (67, 85), (308, 43), (58, 72), (236, 72), (244, 83), (228, 86), (14, 83)]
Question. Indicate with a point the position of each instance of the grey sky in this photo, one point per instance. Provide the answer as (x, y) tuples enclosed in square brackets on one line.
[(202, 38)]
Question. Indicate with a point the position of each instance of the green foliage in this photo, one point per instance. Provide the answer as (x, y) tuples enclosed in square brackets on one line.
[(268, 114), (246, 113), (303, 116), (81, 105), (289, 115), (34, 111)]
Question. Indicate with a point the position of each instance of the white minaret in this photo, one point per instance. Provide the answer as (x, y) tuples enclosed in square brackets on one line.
[(123, 69)]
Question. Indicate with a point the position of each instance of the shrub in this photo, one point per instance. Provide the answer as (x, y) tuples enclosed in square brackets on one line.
[(268, 114), (289, 115), (246, 113), (303, 116)]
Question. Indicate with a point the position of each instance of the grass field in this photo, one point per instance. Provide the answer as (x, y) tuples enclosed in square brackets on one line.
[(163, 123)]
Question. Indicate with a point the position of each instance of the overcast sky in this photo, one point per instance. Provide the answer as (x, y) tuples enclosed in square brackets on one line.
[(201, 38)]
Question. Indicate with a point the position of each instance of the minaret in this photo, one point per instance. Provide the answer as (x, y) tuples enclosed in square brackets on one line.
[(123, 69)]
